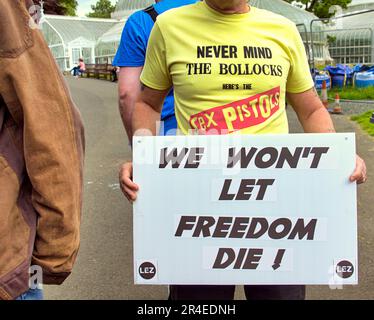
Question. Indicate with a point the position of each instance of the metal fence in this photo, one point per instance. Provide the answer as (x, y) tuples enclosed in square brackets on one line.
[(347, 45), (351, 46)]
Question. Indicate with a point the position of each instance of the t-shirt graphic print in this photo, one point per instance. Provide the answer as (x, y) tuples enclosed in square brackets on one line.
[(230, 72)]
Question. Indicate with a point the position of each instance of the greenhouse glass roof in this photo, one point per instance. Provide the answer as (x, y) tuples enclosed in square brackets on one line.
[(125, 7), (297, 15), (360, 5), (133, 4), (114, 33), (355, 2), (71, 28), (362, 20)]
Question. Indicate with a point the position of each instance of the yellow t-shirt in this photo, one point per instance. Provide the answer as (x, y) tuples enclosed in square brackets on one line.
[(230, 73)]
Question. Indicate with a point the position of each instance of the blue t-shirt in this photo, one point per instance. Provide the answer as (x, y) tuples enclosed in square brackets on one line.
[(134, 40)]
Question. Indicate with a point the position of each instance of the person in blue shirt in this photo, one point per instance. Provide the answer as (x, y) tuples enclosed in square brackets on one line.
[(130, 57)]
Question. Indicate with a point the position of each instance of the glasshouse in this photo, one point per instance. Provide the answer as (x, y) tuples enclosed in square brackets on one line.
[(97, 40), (125, 7), (351, 38), (108, 43), (70, 38), (303, 21)]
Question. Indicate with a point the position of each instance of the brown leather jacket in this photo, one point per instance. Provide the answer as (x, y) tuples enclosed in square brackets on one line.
[(41, 158)]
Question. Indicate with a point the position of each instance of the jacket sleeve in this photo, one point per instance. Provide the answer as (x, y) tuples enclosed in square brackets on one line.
[(53, 151)]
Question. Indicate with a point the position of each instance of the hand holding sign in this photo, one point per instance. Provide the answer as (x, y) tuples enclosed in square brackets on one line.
[(128, 187), (359, 174)]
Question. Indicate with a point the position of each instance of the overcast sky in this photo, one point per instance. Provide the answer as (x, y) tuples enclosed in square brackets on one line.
[(84, 6)]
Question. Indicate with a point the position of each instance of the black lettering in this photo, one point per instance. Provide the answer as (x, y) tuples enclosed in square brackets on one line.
[(286, 225), (245, 189), (209, 53), (242, 156), (219, 263), (189, 68), (306, 152), (233, 69), (240, 258), (264, 184), (173, 156), (185, 223), (194, 157), (253, 258), (200, 52), (222, 227), (233, 52), (225, 52), (318, 152), (261, 53), (292, 159), (198, 68), (302, 230), (247, 53), (257, 69), (252, 233), (269, 151), (239, 226), (280, 70), (223, 69), (265, 69), (225, 195), (273, 70), (203, 226), (269, 53)]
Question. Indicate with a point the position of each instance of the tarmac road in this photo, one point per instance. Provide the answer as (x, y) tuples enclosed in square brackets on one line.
[(104, 266)]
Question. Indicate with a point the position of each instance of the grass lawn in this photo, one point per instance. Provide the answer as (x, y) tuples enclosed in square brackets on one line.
[(364, 121), (350, 93)]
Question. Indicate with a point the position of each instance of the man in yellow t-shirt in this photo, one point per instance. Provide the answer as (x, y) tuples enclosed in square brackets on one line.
[(230, 72), (231, 67)]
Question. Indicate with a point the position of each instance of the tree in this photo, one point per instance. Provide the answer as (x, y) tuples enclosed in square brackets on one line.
[(102, 9), (321, 8), (70, 7), (331, 39), (60, 7)]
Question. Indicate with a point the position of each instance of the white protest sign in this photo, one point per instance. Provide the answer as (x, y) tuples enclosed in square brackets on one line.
[(245, 209)]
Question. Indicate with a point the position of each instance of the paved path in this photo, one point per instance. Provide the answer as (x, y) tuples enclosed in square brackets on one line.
[(104, 266)]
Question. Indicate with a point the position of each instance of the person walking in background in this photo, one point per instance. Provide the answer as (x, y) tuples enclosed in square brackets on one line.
[(115, 71), (130, 58), (79, 69), (41, 161)]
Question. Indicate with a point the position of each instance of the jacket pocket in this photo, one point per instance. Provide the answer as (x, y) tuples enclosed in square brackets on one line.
[(14, 230)]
